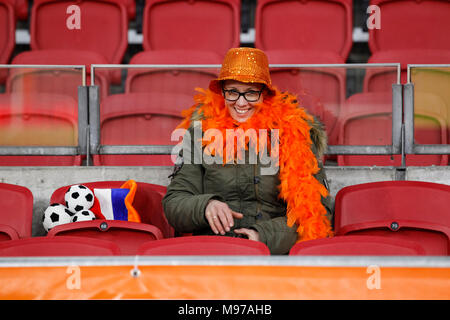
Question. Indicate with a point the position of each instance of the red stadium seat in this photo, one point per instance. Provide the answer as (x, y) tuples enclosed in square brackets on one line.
[(147, 201), (203, 246), (191, 25), (430, 83), (16, 211), (103, 29), (20, 8), (320, 25), (171, 80), (357, 246), (38, 120), (7, 35), (57, 246), (405, 210), (7, 31), (148, 119), (412, 32), (327, 85), (411, 24), (53, 80), (131, 8), (366, 119), (128, 235)]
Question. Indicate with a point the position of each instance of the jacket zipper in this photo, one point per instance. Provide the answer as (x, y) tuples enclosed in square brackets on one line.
[(256, 184)]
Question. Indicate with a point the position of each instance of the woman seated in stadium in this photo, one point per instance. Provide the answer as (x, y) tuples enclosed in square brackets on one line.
[(250, 165)]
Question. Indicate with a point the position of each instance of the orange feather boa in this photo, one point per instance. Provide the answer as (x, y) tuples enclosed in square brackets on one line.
[(298, 164)]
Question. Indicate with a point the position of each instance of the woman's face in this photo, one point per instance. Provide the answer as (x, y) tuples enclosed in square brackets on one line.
[(241, 109)]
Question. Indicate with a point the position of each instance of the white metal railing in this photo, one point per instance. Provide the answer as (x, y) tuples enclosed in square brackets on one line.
[(394, 148), (306, 261), (89, 120)]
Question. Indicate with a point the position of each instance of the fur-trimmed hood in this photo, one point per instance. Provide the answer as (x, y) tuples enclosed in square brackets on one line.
[(319, 137)]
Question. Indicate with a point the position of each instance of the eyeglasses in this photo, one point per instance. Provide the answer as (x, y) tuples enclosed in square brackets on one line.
[(234, 95)]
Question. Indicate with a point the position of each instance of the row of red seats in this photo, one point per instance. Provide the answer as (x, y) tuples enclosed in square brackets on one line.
[(306, 39), (290, 31), (21, 8), (321, 29), (207, 246), (104, 26), (379, 218), (82, 246)]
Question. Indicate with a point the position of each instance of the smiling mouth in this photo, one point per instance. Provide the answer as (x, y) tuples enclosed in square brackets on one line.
[(241, 111)]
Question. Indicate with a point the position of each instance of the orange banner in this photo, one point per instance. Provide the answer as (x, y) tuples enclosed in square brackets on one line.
[(224, 282)]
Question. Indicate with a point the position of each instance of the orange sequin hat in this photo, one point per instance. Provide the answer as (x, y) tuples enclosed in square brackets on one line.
[(249, 65)]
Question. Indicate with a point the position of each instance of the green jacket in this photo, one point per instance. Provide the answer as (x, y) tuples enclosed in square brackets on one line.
[(244, 189)]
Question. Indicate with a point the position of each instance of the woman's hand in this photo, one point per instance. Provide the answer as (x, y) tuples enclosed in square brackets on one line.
[(220, 217), (249, 233)]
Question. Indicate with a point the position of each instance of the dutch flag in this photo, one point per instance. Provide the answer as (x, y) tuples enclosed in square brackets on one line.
[(112, 203), (116, 203)]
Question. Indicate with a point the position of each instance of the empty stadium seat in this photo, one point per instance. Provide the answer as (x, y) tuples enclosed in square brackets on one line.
[(7, 30), (54, 80), (320, 25), (411, 24), (7, 35), (171, 80), (366, 119), (406, 210), (412, 32), (16, 211), (131, 8), (357, 246), (327, 85), (20, 8), (57, 246), (147, 119), (203, 246), (191, 25), (128, 235), (431, 83), (38, 119), (103, 29)]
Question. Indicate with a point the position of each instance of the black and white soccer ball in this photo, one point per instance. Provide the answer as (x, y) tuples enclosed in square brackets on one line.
[(78, 198), (85, 215), (55, 215)]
